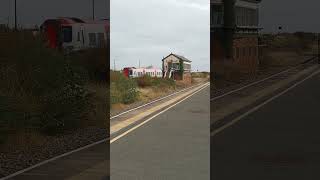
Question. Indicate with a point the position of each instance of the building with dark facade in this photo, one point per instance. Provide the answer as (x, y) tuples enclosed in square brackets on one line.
[(234, 37)]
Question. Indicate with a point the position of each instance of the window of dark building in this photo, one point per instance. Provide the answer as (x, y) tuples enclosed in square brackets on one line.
[(246, 16), (217, 14)]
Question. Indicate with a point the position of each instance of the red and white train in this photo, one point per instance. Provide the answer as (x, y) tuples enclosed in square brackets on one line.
[(133, 72), (76, 34)]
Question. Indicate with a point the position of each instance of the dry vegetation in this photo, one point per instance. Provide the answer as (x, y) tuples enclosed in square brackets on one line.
[(286, 49), (125, 91), (45, 93), (280, 51), (152, 88), (198, 77)]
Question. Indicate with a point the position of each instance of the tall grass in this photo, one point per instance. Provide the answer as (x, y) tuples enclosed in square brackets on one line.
[(95, 63), (122, 89), (147, 81), (125, 90), (200, 74), (298, 42), (40, 88)]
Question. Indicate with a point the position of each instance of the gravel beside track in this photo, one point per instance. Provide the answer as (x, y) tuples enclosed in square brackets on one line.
[(14, 160)]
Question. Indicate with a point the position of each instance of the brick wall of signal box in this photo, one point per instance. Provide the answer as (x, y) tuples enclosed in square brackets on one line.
[(245, 54)]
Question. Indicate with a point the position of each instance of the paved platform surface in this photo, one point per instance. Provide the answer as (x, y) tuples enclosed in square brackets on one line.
[(174, 145), (279, 141)]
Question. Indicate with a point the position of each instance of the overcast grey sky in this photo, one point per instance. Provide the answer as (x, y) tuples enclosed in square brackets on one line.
[(293, 15), (148, 30), (32, 12)]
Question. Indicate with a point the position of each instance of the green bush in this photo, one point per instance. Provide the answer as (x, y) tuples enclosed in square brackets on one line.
[(122, 89), (94, 61), (42, 88)]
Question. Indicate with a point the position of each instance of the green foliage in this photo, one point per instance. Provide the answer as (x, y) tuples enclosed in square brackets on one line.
[(181, 70), (122, 89), (94, 61), (40, 88)]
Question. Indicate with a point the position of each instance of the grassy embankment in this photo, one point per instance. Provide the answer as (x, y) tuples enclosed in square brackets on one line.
[(125, 91), (198, 77), (279, 51), (286, 49), (44, 93)]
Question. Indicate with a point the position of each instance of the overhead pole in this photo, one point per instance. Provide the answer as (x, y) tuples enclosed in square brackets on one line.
[(93, 13), (15, 15)]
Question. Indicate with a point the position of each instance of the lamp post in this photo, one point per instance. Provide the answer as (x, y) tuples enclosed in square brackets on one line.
[(15, 15), (93, 4)]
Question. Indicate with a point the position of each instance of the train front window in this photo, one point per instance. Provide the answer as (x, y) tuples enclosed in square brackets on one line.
[(130, 72), (67, 34)]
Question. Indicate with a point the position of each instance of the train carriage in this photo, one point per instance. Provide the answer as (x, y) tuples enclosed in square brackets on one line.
[(132, 72), (75, 34)]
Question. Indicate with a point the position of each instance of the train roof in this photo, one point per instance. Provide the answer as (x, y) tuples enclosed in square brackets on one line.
[(149, 67), (74, 20)]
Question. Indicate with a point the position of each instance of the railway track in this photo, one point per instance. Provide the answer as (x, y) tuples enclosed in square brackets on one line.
[(100, 141), (119, 114), (149, 103), (123, 120), (262, 81), (241, 89), (236, 98)]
